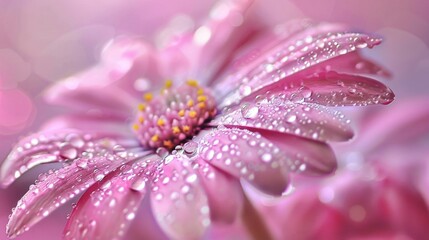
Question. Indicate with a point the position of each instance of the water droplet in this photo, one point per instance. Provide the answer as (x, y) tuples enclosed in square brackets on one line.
[(210, 154), (269, 68), (75, 140), (266, 157), (82, 164), (162, 152), (291, 118), (352, 90), (130, 216), (67, 151), (139, 185), (190, 147), (185, 189), (249, 110), (245, 90), (306, 92), (289, 190), (191, 178)]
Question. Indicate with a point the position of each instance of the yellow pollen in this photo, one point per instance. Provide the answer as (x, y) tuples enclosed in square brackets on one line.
[(148, 97), (190, 103), (155, 138), (200, 91), (176, 130), (136, 127), (201, 105), (160, 122), (192, 114), (181, 113), (168, 84), (141, 107), (141, 119), (201, 98), (186, 129), (192, 83)]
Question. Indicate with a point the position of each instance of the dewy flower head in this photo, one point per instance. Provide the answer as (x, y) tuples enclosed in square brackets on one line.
[(227, 115)]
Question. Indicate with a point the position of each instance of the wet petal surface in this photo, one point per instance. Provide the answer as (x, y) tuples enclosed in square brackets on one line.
[(54, 189), (223, 191), (52, 146), (179, 202), (298, 58), (301, 119), (247, 155), (107, 209)]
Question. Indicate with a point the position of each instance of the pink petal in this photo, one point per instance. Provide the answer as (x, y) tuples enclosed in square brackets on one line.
[(301, 119), (45, 147), (56, 188), (329, 89), (406, 209), (126, 65), (108, 207), (247, 155), (224, 193), (178, 200), (293, 59), (352, 63), (133, 65), (308, 156), (94, 123), (109, 100), (197, 52), (407, 119), (271, 43)]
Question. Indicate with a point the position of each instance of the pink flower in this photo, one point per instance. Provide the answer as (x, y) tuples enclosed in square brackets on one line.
[(379, 193), (254, 116)]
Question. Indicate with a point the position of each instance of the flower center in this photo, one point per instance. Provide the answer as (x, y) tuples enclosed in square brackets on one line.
[(174, 115)]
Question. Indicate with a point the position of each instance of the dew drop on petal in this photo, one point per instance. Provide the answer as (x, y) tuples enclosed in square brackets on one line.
[(249, 110), (266, 157), (75, 140), (139, 185), (291, 118), (68, 152), (289, 190), (190, 147), (191, 178), (245, 90)]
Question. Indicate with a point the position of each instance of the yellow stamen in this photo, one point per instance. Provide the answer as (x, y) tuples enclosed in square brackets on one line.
[(192, 83), (181, 113), (190, 103), (176, 130), (141, 107), (192, 114), (201, 98), (136, 127), (186, 129), (141, 119), (168, 84), (202, 105), (168, 144), (200, 91), (160, 122), (155, 138), (148, 97)]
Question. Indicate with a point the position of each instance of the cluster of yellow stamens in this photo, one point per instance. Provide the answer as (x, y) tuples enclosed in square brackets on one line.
[(174, 115)]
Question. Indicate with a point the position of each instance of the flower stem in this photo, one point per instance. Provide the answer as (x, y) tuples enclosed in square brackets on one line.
[(253, 221)]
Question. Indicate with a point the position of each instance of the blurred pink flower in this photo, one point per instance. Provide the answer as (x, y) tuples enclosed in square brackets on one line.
[(252, 115), (381, 191)]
